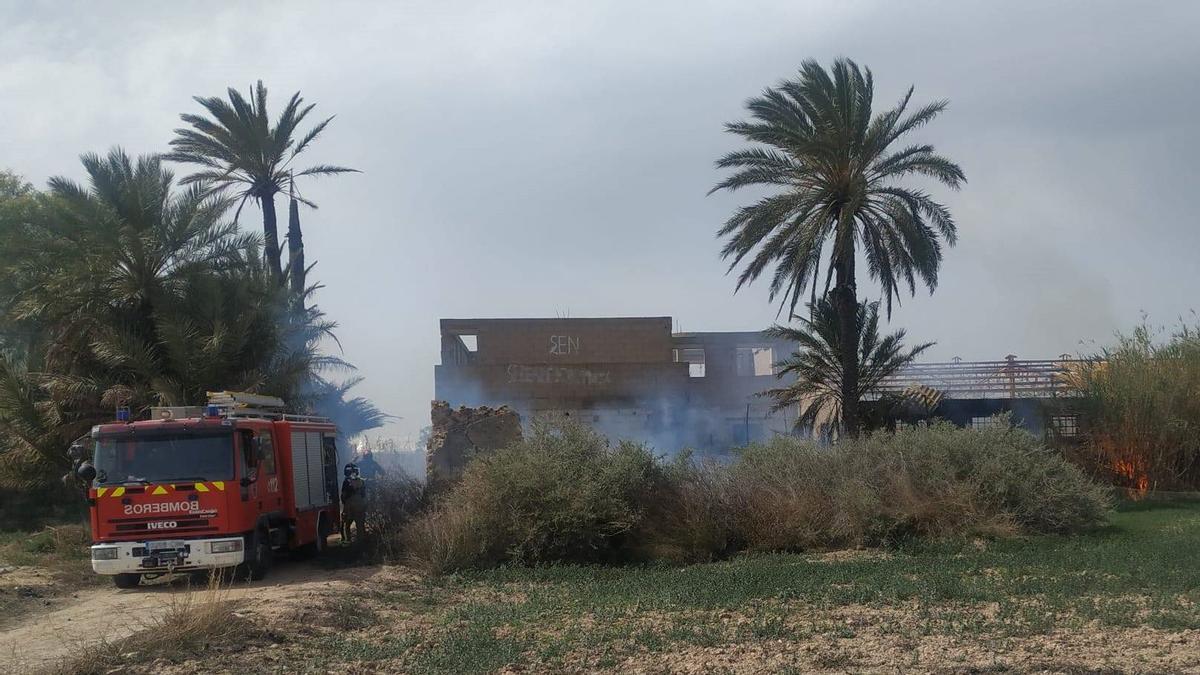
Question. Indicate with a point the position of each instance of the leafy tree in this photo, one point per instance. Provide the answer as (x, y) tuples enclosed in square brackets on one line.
[(351, 415), (143, 295), (818, 388), (242, 152), (13, 186), (18, 204), (834, 169)]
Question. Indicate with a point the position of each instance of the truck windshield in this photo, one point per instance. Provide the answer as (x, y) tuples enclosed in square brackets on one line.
[(158, 458)]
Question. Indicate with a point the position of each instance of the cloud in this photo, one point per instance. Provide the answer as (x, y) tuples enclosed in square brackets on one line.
[(536, 158)]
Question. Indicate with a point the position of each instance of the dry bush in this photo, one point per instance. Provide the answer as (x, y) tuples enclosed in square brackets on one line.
[(560, 495), (691, 515), (565, 495), (446, 537), (924, 482), (393, 499)]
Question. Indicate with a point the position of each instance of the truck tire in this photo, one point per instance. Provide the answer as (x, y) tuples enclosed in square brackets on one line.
[(323, 531), (127, 580), (320, 543), (258, 557)]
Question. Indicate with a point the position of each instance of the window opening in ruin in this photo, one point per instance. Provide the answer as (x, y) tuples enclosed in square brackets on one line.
[(471, 342), (1065, 425), (694, 357), (755, 361), (985, 422)]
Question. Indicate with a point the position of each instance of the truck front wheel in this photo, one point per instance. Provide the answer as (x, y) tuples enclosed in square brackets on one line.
[(258, 556), (127, 580)]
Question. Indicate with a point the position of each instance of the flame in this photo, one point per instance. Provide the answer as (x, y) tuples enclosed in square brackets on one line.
[(1127, 463), (1134, 474)]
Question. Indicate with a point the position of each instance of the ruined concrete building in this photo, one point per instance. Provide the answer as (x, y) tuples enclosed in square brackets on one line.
[(628, 377), (458, 435)]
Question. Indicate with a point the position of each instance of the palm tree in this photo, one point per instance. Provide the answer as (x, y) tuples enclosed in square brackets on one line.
[(352, 415), (835, 168), (817, 365), (241, 151), (296, 270), (141, 295)]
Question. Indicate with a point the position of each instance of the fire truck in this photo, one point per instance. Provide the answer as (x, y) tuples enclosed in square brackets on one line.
[(199, 488)]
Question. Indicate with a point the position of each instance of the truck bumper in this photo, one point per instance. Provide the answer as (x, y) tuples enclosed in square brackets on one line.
[(158, 557)]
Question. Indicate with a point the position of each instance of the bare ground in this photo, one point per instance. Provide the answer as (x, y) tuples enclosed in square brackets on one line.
[(107, 614), (307, 606)]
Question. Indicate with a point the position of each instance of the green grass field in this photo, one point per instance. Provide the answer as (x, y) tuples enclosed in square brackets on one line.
[(1139, 574), (1119, 599)]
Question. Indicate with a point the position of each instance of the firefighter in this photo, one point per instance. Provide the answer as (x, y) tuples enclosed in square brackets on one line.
[(367, 466), (354, 503)]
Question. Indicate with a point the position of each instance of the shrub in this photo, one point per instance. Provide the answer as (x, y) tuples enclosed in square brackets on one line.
[(927, 481), (565, 495), (561, 494), (393, 499), (690, 517)]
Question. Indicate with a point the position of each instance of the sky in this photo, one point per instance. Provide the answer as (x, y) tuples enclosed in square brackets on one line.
[(529, 159)]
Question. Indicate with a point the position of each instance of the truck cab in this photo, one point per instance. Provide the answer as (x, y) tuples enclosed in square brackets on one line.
[(225, 486)]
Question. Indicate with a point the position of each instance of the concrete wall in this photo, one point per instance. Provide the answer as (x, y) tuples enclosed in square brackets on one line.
[(566, 341)]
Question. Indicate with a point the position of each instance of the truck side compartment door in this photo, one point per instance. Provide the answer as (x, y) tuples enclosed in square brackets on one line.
[(268, 472), (330, 461)]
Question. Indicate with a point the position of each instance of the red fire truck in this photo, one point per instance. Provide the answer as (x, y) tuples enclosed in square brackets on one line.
[(224, 486)]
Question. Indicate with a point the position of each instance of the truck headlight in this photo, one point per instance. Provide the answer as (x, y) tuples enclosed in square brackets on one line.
[(104, 553), (225, 546)]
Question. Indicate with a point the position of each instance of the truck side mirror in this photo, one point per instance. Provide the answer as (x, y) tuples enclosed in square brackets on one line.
[(86, 472)]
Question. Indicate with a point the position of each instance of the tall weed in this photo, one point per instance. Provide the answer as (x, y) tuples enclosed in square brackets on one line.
[(1142, 410)]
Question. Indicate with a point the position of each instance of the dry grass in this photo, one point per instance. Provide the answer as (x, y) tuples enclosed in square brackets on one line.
[(194, 621), (39, 568), (442, 539)]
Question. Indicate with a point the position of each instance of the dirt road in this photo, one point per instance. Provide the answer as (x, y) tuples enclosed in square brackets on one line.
[(109, 614)]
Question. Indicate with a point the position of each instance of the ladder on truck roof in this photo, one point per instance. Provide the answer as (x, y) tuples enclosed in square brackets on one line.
[(242, 404)]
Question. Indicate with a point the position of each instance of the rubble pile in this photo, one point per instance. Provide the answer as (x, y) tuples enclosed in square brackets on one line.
[(459, 434)]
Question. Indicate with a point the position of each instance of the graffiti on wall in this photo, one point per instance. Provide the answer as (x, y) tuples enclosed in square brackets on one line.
[(564, 344), (557, 375)]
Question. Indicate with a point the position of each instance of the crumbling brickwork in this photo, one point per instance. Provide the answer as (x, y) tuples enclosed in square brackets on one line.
[(459, 434)]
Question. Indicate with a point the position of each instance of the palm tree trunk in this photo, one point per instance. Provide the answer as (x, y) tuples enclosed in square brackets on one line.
[(296, 252), (846, 301), (271, 237)]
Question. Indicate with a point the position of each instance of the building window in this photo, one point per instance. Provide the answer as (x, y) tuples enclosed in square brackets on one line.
[(1065, 425), (471, 342), (694, 357), (985, 422), (755, 361)]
